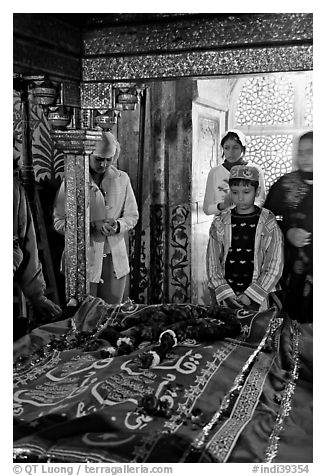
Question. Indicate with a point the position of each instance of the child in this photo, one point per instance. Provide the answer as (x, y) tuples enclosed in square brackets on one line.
[(245, 248), (217, 196)]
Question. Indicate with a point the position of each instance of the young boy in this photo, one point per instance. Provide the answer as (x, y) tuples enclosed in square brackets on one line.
[(245, 247)]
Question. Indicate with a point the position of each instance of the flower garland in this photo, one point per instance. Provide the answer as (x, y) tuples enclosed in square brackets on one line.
[(124, 345), (153, 357), (120, 334), (72, 339)]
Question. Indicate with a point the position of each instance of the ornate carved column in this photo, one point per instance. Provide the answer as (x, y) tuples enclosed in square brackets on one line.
[(34, 89), (76, 145), (158, 209)]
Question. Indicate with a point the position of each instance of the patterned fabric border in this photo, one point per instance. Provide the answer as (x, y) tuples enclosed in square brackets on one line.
[(200, 442), (285, 408), (183, 411), (226, 437), (196, 390)]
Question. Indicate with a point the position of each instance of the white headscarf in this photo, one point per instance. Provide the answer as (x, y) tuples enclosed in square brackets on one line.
[(295, 148), (241, 136)]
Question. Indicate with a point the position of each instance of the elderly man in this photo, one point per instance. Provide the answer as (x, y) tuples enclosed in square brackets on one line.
[(113, 211)]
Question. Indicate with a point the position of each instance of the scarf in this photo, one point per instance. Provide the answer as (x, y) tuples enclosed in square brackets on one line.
[(229, 165)]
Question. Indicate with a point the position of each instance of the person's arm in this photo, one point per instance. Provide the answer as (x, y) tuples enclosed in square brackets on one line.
[(209, 205), (18, 253), (294, 231), (271, 266), (214, 265), (217, 197), (59, 214), (130, 215), (29, 274)]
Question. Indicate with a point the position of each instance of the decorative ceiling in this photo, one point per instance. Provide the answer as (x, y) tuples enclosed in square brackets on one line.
[(104, 47), (85, 20)]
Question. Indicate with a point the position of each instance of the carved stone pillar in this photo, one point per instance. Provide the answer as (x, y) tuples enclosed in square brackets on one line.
[(28, 177), (76, 145), (171, 160)]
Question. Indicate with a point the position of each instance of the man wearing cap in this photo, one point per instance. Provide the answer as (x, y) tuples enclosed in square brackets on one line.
[(113, 211), (245, 248)]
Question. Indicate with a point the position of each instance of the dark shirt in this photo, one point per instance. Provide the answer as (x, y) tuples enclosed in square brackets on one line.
[(291, 199), (239, 263)]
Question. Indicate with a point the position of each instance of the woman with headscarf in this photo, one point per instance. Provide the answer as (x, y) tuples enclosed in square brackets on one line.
[(290, 198), (113, 211), (217, 196)]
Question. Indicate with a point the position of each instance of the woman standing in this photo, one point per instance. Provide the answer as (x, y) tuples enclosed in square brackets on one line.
[(290, 198), (113, 211), (27, 267), (217, 196)]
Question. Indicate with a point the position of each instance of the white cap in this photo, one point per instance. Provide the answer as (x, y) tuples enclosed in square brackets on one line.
[(107, 146), (241, 136)]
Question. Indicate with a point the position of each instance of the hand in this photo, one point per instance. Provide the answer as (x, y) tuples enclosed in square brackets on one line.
[(47, 308), (233, 303), (244, 300), (112, 222), (298, 237), (109, 227), (97, 225), (96, 231), (227, 202)]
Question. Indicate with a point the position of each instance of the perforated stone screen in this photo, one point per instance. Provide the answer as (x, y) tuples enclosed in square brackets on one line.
[(272, 110)]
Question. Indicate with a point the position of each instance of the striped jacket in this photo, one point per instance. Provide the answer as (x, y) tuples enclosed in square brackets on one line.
[(268, 257)]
